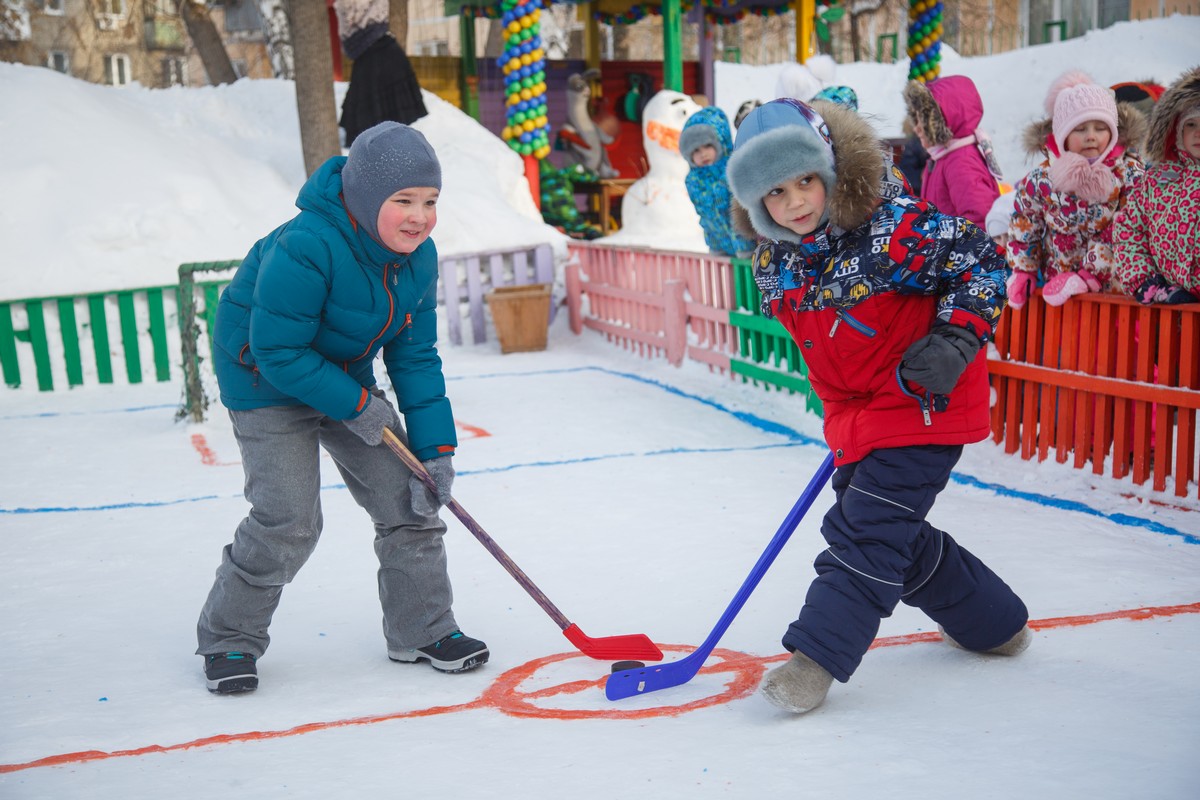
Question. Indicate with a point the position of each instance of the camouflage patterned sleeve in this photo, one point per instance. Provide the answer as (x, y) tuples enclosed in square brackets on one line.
[(971, 279), (766, 265)]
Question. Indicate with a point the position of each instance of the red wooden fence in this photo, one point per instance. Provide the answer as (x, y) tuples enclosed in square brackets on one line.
[(1101, 379)]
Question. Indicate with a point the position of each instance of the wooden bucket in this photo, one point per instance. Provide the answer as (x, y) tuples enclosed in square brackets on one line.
[(521, 315)]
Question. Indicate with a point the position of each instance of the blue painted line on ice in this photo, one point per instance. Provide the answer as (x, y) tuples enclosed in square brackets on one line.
[(765, 425), (795, 438), (52, 414), (1127, 520)]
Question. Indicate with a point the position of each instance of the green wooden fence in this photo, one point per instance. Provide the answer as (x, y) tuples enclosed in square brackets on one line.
[(130, 335), (767, 353)]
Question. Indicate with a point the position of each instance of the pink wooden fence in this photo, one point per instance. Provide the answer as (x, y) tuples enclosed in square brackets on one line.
[(654, 302)]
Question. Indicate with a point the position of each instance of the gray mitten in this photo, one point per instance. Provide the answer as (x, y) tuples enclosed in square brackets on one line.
[(424, 502), (375, 416), (937, 360)]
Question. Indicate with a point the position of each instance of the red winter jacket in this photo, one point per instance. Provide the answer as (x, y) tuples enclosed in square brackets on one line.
[(855, 300)]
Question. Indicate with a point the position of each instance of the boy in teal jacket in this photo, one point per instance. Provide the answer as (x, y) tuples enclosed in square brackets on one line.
[(296, 336)]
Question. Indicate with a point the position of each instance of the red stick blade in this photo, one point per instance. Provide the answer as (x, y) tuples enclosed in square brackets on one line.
[(631, 647)]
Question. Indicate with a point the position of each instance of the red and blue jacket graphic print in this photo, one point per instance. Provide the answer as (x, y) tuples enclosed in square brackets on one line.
[(855, 300)]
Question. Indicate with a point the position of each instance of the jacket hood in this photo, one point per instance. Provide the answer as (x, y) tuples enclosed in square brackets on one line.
[(1038, 137), (1184, 94), (947, 108), (852, 192), (321, 194)]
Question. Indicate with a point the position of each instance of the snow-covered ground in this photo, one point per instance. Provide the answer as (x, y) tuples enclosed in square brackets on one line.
[(637, 496)]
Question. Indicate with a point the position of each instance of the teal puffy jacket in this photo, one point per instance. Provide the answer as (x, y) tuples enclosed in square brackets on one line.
[(314, 302)]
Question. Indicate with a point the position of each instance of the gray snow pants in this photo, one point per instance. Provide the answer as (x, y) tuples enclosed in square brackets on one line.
[(280, 449)]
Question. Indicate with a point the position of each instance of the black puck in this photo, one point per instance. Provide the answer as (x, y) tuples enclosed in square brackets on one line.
[(621, 666)]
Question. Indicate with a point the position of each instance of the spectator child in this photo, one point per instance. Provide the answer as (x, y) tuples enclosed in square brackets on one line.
[(706, 143), (1062, 227), (1000, 217), (961, 173), (297, 331), (1142, 95), (383, 84), (1157, 233), (890, 302)]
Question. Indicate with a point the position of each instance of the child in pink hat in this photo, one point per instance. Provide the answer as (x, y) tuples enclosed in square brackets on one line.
[(1062, 225)]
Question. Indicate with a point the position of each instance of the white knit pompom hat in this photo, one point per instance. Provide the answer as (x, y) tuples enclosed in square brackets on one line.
[(1074, 98)]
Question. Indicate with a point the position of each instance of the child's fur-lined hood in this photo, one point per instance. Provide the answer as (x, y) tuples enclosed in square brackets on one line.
[(1181, 96), (859, 168), (947, 108), (1131, 132)]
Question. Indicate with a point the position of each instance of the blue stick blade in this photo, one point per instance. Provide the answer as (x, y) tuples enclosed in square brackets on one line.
[(630, 682)]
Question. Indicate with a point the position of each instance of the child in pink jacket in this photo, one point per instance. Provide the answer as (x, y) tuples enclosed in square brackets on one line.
[(960, 177), (1062, 226)]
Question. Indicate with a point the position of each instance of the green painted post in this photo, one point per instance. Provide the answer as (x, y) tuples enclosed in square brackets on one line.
[(1060, 25), (8, 347), (39, 343), (469, 83), (99, 321), (672, 49), (212, 298), (158, 334), (129, 337), (70, 340)]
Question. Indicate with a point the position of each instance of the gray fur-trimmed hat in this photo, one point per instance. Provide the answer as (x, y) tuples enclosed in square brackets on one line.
[(693, 137), (778, 141), (383, 160)]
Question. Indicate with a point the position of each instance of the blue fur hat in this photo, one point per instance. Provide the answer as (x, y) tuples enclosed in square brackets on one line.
[(383, 160), (778, 141)]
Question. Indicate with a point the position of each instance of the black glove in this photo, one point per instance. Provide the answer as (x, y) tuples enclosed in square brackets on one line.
[(375, 416), (1156, 289), (937, 360)]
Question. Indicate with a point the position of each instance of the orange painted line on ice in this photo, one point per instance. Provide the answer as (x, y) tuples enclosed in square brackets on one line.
[(208, 456), (506, 696)]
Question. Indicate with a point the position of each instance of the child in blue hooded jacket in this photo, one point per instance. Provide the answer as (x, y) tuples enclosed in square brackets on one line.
[(706, 143), (890, 303), (296, 335)]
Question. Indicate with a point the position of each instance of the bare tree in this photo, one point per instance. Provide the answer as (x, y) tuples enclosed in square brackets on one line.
[(309, 23), (204, 35), (398, 21)]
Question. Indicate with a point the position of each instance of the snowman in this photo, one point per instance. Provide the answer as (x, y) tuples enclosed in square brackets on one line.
[(656, 210)]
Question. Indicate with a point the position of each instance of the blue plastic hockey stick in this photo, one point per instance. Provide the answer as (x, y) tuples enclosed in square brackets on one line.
[(630, 682)]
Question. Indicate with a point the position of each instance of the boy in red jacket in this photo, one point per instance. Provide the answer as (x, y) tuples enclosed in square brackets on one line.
[(890, 302)]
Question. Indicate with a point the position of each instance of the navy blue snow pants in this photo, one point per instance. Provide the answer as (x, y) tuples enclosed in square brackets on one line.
[(882, 551)]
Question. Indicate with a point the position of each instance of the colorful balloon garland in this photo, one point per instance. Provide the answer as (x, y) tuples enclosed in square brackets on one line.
[(524, 68), (924, 39)]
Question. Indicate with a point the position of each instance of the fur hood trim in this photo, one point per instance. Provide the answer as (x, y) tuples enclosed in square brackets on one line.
[(763, 154), (1131, 131), (1181, 96), (947, 108)]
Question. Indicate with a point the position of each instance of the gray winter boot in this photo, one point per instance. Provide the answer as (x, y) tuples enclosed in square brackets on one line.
[(1012, 647), (799, 685)]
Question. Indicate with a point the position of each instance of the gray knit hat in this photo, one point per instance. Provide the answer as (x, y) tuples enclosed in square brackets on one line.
[(383, 160), (778, 141)]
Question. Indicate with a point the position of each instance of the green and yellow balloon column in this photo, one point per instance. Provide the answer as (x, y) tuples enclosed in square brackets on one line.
[(924, 39), (524, 68)]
